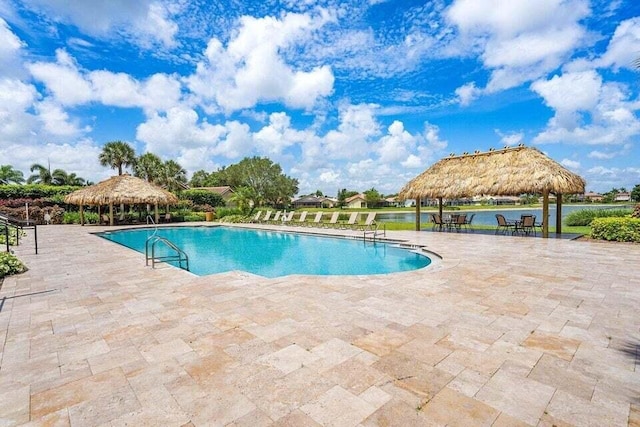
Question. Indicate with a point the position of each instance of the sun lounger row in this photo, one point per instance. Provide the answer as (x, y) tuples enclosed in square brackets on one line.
[(314, 220)]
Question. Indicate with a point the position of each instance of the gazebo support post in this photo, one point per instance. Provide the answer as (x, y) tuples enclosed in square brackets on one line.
[(545, 214), (417, 213), (111, 213), (440, 206), (157, 213), (81, 215), (558, 214)]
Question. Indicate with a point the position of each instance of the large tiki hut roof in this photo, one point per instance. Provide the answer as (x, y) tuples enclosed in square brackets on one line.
[(125, 189), (505, 172)]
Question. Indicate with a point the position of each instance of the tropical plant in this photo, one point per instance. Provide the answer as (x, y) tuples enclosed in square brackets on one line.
[(172, 176), (117, 154), (148, 167), (60, 177), (616, 229), (373, 198), (586, 216), (203, 197), (9, 175), (42, 176), (635, 193), (246, 199)]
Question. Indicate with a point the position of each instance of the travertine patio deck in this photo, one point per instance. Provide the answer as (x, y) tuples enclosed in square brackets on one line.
[(502, 331)]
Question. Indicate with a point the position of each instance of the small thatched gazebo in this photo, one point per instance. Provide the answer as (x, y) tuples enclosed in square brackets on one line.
[(120, 189), (506, 172)]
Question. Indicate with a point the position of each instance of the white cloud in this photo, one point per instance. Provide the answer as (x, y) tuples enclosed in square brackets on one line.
[(251, 69), (603, 178), (467, 93), (63, 79), (277, 135), (571, 164), (10, 52), (57, 122), (510, 138), (357, 127), (587, 111), (608, 155), (519, 40), (624, 46), (144, 22), (396, 145)]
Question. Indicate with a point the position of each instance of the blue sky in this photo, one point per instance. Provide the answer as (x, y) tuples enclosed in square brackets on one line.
[(354, 94)]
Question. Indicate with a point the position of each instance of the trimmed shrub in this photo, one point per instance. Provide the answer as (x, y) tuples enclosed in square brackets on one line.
[(34, 191), (194, 216), (234, 218), (585, 216), (224, 212), (203, 197), (616, 229), (74, 218), (10, 264)]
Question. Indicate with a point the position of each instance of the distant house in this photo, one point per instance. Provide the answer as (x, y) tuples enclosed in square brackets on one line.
[(225, 191), (592, 197), (358, 201), (503, 200), (313, 201), (392, 202), (623, 197)]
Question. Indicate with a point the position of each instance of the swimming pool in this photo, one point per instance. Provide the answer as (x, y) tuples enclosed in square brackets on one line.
[(274, 254)]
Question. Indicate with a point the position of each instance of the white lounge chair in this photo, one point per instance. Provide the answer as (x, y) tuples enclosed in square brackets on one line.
[(302, 219), (333, 221), (351, 223), (369, 223), (317, 220)]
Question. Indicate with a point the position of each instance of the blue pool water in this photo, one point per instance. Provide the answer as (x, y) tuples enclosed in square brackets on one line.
[(273, 254)]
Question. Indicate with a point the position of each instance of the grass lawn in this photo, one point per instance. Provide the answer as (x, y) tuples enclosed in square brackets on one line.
[(586, 230)]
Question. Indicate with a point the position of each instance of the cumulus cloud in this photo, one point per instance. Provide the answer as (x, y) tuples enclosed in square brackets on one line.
[(10, 52), (251, 68), (517, 40), (623, 47), (510, 138), (147, 22), (571, 164), (587, 111)]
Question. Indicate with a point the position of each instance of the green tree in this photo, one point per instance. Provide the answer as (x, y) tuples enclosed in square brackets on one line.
[(635, 193), (172, 176), (199, 179), (117, 154), (42, 174), (319, 193), (148, 167), (343, 195), (61, 177), (263, 177), (373, 198), (9, 175), (244, 198)]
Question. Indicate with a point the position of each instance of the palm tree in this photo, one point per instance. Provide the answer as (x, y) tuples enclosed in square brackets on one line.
[(10, 175), (172, 176), (60, 177), (148, 167), (245, 198), (117, 154), (42, 176)]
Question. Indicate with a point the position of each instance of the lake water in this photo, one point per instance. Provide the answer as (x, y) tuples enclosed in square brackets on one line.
[(488, 217)]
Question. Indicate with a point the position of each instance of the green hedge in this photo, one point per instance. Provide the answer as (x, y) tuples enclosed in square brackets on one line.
[(203, 197), (35, 191), (616, 229), (585, 216)]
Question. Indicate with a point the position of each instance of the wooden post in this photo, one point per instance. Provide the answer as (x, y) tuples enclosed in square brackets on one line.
[(558, 214), (157, 214), (111, 213), (81, 215), (545, 213), (417, 213), (440, 207)]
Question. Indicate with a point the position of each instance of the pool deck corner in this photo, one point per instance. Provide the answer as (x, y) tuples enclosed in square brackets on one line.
[(501, 331)]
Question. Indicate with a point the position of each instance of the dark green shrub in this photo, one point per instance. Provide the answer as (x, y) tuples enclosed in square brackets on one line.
[(194, 216), (224, 212), (233, 218), (203, 197), (74, 218), (616, 229), (35, 191), (585, 216)]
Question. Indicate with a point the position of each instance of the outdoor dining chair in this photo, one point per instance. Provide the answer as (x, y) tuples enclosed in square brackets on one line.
[(504, 225)]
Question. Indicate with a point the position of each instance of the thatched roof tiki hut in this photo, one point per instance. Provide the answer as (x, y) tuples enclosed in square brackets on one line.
[(506, 172), (121, 189)]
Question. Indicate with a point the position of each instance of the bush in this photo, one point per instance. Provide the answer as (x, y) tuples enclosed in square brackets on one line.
[(585, 216), (13, 236), (234, 218), (10, 264), (224, 212), (194, 216), (203, 197), (616, 229), (74, 218), (36, 213), (35, 191)]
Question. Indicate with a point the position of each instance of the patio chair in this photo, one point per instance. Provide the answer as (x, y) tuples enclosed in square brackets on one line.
[(437, 221), (526, 224), (301, 220), (333, 221), (504, 225), (459, 222), (256, 217), (369, 223), (104, 219), (265, 219), (317, 220), (287, 217), (469, 221), (351, 223), (276, 218)]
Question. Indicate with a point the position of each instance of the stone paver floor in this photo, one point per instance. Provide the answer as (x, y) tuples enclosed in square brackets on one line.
[(500, 331)]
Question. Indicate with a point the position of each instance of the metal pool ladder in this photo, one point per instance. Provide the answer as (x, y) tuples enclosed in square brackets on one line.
[(179, 256)]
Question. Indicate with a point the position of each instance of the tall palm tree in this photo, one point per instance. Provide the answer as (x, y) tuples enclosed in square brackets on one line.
[(10, 175), (148, 167), (61, 177), (172, 176), (117, 154), (42, 176)]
